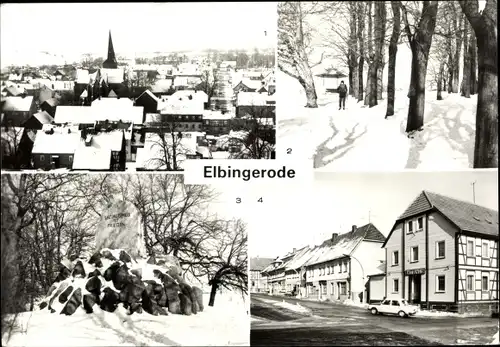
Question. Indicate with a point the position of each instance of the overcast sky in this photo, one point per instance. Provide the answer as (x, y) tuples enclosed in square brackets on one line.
[(72, 29), (291, 217)]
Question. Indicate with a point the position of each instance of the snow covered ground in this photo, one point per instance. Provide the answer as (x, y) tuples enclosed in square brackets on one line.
[(227, 323), (291, 307), (359, 138)]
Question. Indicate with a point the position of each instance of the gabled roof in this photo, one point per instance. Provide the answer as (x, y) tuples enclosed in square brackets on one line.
[(150, 94), (43, 117), (464, 215), (74, 115), (344, 244), (251, 84), (300, 258), (14, 90), (51, 102), (259, 264), (97, 156), (255, 99), (17, 103), (63, 141), (112, 94)]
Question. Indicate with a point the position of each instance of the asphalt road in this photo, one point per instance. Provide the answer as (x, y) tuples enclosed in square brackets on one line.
[(337, 324)]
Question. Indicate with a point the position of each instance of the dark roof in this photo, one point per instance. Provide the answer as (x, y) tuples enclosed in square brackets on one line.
[(43, 117), (368, 232), (259, 264), (464, 215), (51, 102)]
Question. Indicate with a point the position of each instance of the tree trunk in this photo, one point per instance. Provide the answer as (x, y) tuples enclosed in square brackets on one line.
[(213, 291), (485, 28), (420, 46), (353, 47), (458, 47), (371, 86), (440, 81), (473, 63), (380, 27), (393, 50), (361, 64), (371, 92), (465, 86), (380, 82)]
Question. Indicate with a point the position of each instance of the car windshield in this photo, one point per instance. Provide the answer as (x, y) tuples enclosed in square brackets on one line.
[(404, 302)]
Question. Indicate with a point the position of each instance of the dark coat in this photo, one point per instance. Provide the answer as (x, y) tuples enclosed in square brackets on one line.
[(342, 89)]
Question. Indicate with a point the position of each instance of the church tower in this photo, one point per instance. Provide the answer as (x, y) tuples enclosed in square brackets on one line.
[(111, 62)]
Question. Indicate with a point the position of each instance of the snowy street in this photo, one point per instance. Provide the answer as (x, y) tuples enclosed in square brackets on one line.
[(289, 321), (359, 138)]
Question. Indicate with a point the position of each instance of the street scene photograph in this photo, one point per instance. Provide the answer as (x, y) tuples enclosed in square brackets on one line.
[(121, 260), (408, 258), (146, 90), (389, 85)]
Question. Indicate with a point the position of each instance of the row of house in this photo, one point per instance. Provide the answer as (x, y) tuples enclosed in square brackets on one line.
[(441, 254)]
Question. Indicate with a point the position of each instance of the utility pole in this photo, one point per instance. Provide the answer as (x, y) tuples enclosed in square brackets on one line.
[(473, 192), (369, 216)]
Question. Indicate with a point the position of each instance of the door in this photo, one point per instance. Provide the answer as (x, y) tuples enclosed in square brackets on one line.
[(414, 289), (385, 306), (56, 162)]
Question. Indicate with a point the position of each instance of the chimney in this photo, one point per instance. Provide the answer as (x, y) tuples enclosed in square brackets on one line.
[(334, 236), (294, 250), (354, 228)]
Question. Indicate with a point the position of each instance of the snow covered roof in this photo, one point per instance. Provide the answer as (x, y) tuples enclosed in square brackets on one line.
[(195, 94), (64, 140), (150, 94), (97, 156), (255, 99), (252, 84), (259, 264), (300, 259), (43, 117), (82, 76), (344, 244), (14, 90), (74, 115), (228, 63), (161, 86), (184, 106), (17, 103)]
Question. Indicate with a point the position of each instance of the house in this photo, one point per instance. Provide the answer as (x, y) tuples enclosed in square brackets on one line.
[(258, 284), (162, 87), (442, 254), (45, 93), (375, 292), (256, 105), (183, 114), (223, 95), (38, 120), (157, 153), (331, 272), (100, 151), (216, 123), (16, 110), (249, 85), (50, 106), (14, 90), (228, 64), (17, 144), (74, 115), (55, 147), (59, 75), (148, 101)]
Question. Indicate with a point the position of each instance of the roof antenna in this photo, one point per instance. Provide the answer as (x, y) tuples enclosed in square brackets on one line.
[(473, 192)]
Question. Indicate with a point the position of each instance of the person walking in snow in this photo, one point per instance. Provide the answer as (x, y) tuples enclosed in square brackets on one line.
[(342, 90)]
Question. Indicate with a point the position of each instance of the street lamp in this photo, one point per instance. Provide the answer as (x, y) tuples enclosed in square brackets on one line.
[(362, 273)]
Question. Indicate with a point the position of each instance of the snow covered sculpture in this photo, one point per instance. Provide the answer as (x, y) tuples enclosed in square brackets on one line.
[(121, 228), (112, 277)]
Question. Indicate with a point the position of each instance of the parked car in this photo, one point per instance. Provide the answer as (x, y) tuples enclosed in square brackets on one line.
[(399, 307)]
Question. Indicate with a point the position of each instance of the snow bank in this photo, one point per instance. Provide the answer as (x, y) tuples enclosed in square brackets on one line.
[(425, 313), (291, 307), (227, 323), (349, 302)]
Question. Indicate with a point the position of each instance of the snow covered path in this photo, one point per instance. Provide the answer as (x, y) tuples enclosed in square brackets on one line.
[(361, 139)]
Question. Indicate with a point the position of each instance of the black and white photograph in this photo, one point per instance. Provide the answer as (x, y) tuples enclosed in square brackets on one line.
[(389, 85), (138, 87), (121, 260), (364, 259)]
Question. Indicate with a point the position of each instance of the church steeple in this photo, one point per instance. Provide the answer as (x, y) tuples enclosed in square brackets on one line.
[(111, 62)]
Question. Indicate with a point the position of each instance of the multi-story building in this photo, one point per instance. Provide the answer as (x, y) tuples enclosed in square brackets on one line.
[(338, 269), (223, 94), (258, 283), (442, 254)]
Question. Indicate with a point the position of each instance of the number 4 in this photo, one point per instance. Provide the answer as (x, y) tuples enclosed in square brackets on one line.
[(260, 200)]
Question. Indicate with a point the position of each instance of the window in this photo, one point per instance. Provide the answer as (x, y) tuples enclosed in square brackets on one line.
[(323, 289), (395, 258), (386, 302), (470, 282), (395, 303), (340, 267), (440, 250), (328, 270), (484, 283), (42, 158), (485, 250), (345, 267), (414, 254), (395, 285), (440, 284), (70, 158), (420, 222), (470, 248), (410, 226)]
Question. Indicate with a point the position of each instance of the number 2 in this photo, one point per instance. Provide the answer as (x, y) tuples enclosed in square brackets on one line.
[(288, 151)]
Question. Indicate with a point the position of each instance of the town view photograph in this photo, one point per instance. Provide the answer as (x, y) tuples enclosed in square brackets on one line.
[(408, 258), (146, 90)]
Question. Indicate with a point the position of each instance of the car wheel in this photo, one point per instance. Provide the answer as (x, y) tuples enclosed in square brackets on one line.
[(402, 314), (374, 311)]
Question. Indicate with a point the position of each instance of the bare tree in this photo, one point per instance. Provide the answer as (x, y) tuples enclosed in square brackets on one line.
[(465, 85), (420, 42), (294, 46), (393, 50), (361, 52), (208, 83), (485, 28), (380, 31), (371, 78)]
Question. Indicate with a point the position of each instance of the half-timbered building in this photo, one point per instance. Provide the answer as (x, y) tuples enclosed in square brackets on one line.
[(442, 254)]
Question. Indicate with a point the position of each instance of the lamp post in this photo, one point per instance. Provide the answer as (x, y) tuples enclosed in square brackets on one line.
[(362, 274)]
